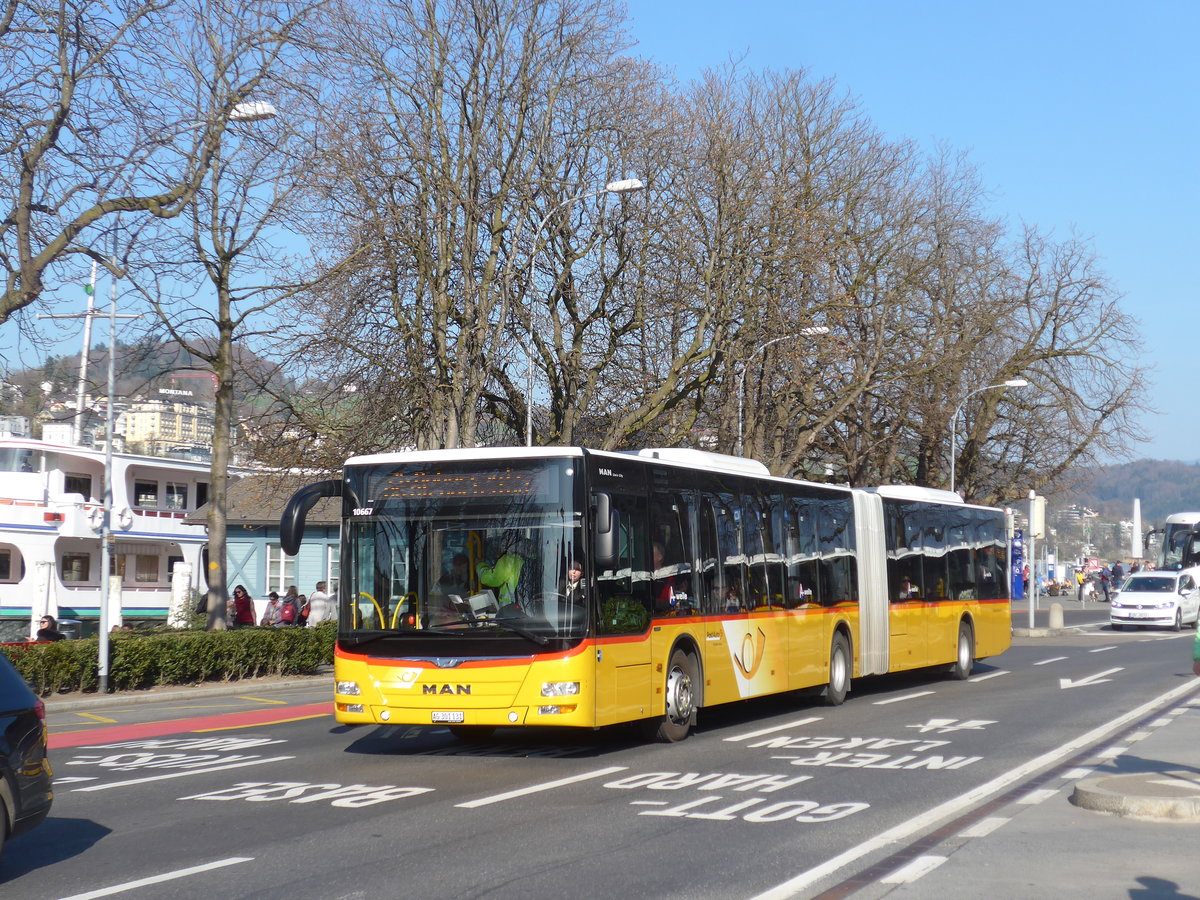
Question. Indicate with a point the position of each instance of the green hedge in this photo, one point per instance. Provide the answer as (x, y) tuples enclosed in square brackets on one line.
[(174, 657)]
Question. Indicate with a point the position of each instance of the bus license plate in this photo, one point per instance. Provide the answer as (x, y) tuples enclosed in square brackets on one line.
[(451, 718)]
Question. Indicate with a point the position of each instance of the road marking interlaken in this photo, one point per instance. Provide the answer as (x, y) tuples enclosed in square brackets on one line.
[(246, 719)]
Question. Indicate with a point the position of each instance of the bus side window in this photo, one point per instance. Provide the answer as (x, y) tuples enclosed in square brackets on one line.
[(754, 551), (714, 598), (623, 589), (670, 555)]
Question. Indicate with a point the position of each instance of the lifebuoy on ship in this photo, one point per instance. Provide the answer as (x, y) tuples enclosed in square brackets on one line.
[(124, 518), (95, 516)]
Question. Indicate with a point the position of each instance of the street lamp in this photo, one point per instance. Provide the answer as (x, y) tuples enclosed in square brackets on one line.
[(624, 186), (812, 331), (1011, 383)]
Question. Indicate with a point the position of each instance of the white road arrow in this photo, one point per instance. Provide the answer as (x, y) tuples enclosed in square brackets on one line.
[(1098, 678)]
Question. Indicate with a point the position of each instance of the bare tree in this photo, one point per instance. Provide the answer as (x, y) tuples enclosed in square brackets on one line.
[(92, 124), (772, 206), (219, 280), (1066, 333)]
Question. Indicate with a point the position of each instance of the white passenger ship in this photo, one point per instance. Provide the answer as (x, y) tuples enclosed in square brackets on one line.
[(51, 507)]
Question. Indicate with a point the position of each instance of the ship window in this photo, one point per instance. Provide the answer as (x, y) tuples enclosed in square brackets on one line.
[(176, 496), (146, 494), (78, 484), (146, 570), (76, 567)]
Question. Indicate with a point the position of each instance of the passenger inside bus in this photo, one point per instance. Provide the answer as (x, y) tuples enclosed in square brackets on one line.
[(505, 573)]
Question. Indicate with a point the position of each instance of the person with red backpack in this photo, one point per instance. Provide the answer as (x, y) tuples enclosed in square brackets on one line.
[(289, 612)]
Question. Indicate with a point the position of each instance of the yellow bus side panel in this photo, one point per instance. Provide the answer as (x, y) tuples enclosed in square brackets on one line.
[(926, 634), (993, 628), (623, 685)]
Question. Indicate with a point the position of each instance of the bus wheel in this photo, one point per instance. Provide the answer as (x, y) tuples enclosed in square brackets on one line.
[(676, 721), (839, 671), (472, 733), (964, 656)]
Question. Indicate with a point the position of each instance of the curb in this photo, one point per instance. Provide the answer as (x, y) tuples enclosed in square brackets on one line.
[(184, 692), (1146, 795), (1042, 632)]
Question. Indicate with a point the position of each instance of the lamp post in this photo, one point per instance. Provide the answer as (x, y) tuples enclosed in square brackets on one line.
[(812, 331), (624, 186), (1011, 383)]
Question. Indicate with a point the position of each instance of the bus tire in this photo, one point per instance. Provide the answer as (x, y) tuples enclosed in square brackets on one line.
[(679, 702), (840, 668), (472, 733), (964, 653)]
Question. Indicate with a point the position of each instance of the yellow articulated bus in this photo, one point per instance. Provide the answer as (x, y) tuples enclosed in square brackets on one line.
[(561, 586)]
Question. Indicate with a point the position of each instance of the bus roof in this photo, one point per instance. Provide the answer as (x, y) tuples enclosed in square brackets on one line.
[(912, 492), (1183, 518)]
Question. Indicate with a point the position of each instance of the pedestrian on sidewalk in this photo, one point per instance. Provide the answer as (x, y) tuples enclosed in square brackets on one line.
[(1196, 653)]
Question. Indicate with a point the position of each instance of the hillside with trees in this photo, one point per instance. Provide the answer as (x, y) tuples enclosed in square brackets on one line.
[(1163, 486)]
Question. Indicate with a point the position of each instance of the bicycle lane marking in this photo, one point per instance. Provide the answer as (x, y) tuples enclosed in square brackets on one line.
[(244, 719)]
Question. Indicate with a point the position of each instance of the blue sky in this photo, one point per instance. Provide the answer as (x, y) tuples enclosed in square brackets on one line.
[(1082, 118)]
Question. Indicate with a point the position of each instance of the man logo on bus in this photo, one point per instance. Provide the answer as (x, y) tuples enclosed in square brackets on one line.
[(752, 653), (446, 689)]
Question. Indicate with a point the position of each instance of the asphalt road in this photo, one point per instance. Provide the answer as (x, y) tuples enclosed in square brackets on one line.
[(264, 795)]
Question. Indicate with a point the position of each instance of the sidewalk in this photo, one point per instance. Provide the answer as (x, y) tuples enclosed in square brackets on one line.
[(1125, 824)]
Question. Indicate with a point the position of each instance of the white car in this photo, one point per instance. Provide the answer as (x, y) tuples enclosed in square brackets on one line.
[(1170, 599)]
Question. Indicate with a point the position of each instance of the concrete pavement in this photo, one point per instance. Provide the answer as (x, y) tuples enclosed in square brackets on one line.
[(1125, 823)]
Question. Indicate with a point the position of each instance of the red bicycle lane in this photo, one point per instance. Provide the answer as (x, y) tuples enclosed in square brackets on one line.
[(223, 721)]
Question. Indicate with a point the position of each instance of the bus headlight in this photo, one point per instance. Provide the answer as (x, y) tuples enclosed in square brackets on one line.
[(560, 688), (347, 689)]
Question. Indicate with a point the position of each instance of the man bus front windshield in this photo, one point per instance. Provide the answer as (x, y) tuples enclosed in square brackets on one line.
[(477, 550)]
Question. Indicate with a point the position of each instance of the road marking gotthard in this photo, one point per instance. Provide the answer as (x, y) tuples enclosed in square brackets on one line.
[(246, 719)]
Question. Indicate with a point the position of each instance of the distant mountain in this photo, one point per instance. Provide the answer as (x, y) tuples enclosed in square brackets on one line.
[(1163, 486)]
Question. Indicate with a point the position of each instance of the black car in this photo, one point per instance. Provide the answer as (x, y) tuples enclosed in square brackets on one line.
[(25, 775)]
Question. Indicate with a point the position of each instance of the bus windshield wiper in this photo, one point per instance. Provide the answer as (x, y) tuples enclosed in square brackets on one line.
[(370, 639), (523, 632)]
